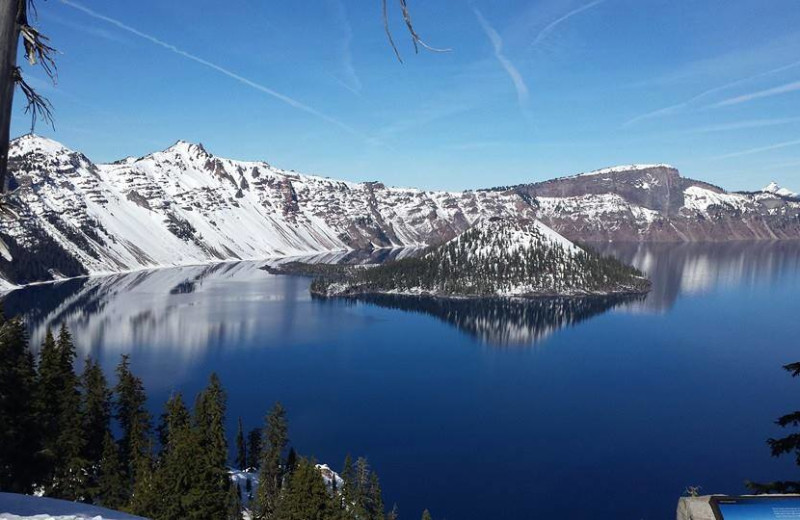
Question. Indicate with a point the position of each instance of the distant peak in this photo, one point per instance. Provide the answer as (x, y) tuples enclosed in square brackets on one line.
[(775, 189), (36, 143), (182, 146)]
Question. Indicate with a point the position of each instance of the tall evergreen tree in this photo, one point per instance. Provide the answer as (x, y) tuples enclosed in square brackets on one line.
[(426, 515), (254, 448), (96, 409), (134, 421), (111, 482), (790, 444), (276, 435), (210, 427), (18, 426), (48, 394), (241, 448), (306, 496)]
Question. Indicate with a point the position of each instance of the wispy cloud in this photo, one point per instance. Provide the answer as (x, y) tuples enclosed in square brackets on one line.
[(693, 101), (222, 70), (743, 125), (523, 93), (545, 32), (760, 149), (351, 80), (775, 91)]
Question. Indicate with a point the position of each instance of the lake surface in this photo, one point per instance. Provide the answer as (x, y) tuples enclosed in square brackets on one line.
[(561, 409)]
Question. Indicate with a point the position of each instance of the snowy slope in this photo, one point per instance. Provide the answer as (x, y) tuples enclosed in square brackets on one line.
[(16, 507), (184, 206)]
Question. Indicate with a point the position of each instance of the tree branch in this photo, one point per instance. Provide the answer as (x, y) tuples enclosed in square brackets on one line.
[(39, 107), (415, 38)]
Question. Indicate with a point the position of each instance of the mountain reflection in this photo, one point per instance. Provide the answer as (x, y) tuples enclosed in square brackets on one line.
[(503, 321), (694, 268), (180, 315)]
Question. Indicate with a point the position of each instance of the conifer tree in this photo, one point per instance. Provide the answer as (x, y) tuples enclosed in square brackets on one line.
[(210, 426), (134, 421), (790, 444), (111, 484), (426, 515), (254, 448), (306, 496), (18, 429), (96, 409), (48, 394), (241, 448), (271, 474)]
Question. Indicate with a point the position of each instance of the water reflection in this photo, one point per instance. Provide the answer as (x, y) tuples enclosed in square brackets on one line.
[(500, 321), (183, 312), (695, 268)]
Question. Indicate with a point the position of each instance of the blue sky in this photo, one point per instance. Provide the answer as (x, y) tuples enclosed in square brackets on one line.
[(531, 89)]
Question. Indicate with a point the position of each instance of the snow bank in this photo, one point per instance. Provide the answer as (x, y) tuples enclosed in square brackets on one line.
[(15, 507)]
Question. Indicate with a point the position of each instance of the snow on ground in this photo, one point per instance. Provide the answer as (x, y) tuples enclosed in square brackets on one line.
[(624, 168), (773, 188), (700, 199), (17, 507)]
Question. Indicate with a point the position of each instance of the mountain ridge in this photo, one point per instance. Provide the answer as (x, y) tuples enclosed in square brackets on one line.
[(186, 206)]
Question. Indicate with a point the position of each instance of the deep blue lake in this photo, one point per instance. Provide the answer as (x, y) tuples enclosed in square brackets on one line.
[(561, 409)]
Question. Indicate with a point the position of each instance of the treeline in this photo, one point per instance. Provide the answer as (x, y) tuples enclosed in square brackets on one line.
[(57, 439)]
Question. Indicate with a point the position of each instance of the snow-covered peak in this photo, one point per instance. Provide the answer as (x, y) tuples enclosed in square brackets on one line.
[(775, 189), (35, 143)]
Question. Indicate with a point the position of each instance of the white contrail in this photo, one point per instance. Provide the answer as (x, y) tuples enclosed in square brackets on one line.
[(685, 104), (751, 151), (222, 70), (511, 70), (782, 89), (555, 23)]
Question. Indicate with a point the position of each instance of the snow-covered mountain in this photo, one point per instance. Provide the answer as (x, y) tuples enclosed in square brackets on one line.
[(497, 257), (185, 206), (774, 189), (654, 203), (69, 216)]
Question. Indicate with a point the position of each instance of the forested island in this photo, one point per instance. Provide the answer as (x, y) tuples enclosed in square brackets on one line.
[(494, 258)]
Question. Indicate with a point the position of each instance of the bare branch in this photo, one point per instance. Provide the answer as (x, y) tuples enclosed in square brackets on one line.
[(389, 31), (39, 107), (415, 38), (37, 50)]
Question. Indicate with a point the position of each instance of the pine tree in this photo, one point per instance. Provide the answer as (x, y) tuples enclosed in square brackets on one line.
[(306, 496), (111, 482), (19, 441), (271, 474), (783, 446), (241, 448), (134, 421), (71, 468), (48, 393), (254, 448), (426, 515), (393, 514), (210, 426), (96, 409)]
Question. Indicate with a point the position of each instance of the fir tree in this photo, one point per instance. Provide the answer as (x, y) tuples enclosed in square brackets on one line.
[(134, 421), (254, 448), (789, 444), (271, 474), (111, 483), (306, 497), (18, 426), (210, 426), (96, 409), (426, 515), (48, 393), (241, 448)]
